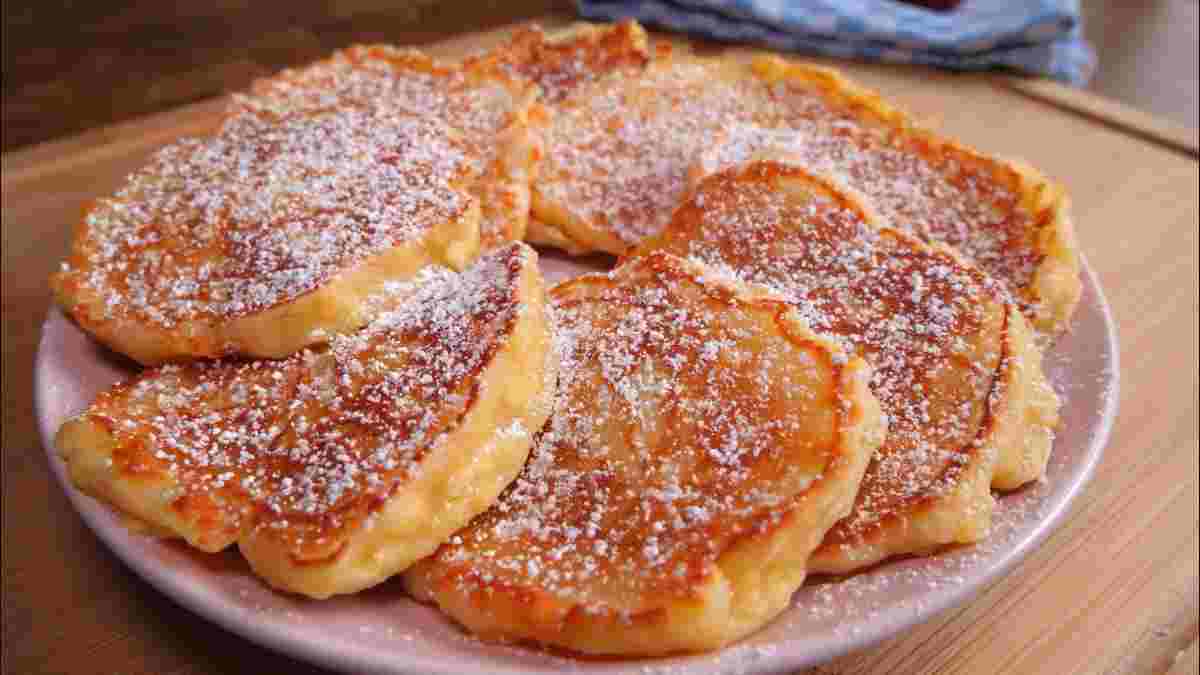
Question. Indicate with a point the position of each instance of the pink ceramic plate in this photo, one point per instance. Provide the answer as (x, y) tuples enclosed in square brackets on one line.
[(382, 630)]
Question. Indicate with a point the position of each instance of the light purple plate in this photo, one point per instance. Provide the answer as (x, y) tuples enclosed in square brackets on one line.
[(382, 630)]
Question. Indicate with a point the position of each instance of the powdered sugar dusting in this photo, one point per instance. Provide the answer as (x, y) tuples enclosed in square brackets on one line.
[(264, 211), (876, 604), (399, 80), (481, 101), (680, 425), (308, 447), (930, 327), (561, 64), (848, 604), (619, 153), (932, 192)]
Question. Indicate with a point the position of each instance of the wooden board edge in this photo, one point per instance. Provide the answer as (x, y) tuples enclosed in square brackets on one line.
[(1109, 112), (29, 163)]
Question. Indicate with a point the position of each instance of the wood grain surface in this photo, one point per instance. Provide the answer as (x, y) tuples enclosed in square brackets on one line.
[(71, 66), (1113, 590)]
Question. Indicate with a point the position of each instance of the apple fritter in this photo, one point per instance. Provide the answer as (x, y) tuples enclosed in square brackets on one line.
[(703, 442), (341, 465), (955, 368)]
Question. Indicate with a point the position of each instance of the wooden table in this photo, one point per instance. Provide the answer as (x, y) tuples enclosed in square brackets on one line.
[(1113, 590)]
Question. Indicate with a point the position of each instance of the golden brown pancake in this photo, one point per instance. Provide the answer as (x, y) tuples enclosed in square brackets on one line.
[(561, 62), (703, 441), (618, 151), (489, 107), (338, 466), (269, 235), (955, 368)]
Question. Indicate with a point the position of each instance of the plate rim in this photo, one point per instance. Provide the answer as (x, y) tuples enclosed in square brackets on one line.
[(281, 638)]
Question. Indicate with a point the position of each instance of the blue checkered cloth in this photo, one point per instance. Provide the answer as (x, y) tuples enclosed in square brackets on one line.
[(1040, 37)]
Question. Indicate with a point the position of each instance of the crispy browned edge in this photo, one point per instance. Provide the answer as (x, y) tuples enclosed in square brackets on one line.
[(281, 329), (1010, 448), (148, 501), (690, 623), (1055, 288)]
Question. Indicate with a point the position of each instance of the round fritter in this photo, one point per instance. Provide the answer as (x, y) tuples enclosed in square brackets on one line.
[(618, 151), (339, 466), (269, 235), (488, 106), (955, 369), (703, 441), (566, 59)]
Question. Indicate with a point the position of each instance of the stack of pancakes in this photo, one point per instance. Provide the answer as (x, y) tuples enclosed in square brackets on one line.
[(821, 347)]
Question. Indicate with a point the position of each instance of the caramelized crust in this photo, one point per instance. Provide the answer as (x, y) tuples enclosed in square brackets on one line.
[(562, 62), (1005, 216), (617, 149), (268, 235), (338, 466), (954, 369), (618, 152), (702, 443), (488, 106)]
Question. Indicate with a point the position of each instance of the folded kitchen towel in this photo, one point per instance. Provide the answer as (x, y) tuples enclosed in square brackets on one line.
[(1041, 37)]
